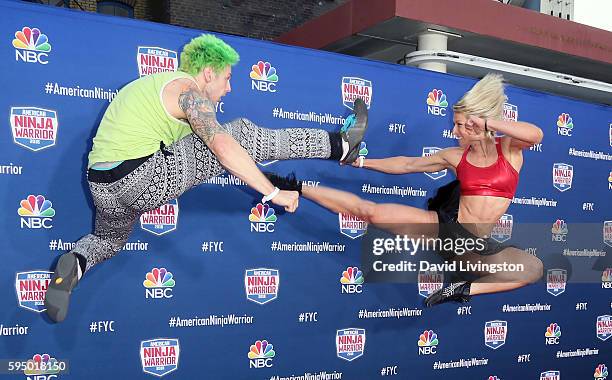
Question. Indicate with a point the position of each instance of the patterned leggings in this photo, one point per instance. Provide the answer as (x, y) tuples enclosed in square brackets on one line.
[(180, 166)]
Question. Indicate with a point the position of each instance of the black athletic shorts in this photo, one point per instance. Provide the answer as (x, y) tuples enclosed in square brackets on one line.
[(446, 204)]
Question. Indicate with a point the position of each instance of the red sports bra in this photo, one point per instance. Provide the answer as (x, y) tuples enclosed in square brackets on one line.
[(497, 180)]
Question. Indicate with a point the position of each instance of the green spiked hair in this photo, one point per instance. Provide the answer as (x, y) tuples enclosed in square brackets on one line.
[(207, 51)]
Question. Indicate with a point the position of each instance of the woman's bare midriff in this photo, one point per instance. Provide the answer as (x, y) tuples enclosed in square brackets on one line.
[(479, 214)]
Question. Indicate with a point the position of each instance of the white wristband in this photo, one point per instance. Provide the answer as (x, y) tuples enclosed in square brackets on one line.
[(270, 196), (361, 161)]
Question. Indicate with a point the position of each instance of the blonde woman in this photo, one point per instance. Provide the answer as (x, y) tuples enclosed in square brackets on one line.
[(487, 170)]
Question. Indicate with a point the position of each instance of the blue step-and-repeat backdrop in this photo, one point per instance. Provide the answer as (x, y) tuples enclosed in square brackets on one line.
[(207, 287)]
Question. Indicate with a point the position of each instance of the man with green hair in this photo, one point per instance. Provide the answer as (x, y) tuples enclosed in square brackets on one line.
[(160, 136)]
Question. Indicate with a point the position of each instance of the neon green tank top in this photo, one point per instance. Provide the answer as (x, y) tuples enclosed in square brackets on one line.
[(136, 121)]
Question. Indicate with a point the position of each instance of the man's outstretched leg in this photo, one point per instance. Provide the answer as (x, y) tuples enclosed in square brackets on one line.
[(112, 230), (296, 143), (65, 277), (190, 161), (119, 200)]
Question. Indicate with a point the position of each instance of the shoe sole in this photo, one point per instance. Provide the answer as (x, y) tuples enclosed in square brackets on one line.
[(357, 131), (62, 282)]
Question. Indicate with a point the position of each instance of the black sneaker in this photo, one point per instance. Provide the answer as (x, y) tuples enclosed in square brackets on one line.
[(458, 291), (354, 129), (64, 279)]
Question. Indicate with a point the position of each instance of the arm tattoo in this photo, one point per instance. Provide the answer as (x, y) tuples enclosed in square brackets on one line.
[(201, 115)]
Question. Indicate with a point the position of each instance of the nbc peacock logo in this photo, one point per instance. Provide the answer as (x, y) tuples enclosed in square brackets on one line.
[(352, 275), (262, 218), (263, 77), (436, 102), (552, 334), (559, 230), (601, 372), (261, 354), (31, 46), (352, 281), (565, 124), (43, 364), (158, 283), (428, 342), (494, 378), (36, 212)]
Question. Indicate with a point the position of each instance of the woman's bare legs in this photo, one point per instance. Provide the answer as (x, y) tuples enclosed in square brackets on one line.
[(504, 280), (401, 219), (392, 217)]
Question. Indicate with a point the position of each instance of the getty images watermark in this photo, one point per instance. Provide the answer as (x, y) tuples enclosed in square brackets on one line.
[(404, 253), (406, 245)]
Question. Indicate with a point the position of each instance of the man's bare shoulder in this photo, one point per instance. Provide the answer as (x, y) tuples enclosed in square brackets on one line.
[(173, 91), (179, 86)]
